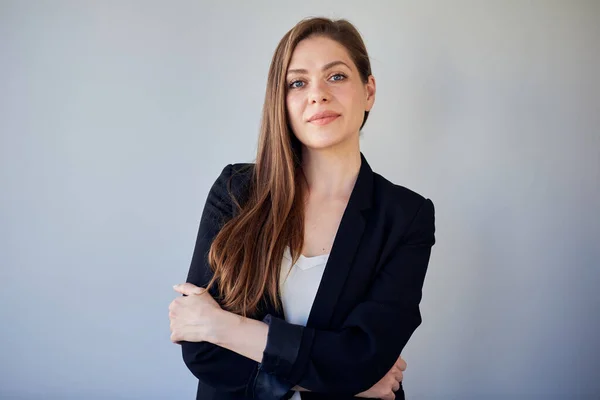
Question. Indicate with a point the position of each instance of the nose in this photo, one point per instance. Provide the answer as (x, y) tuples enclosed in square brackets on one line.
[(318, 94)]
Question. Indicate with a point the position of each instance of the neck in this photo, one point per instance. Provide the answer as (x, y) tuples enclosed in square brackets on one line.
[(331, 173)]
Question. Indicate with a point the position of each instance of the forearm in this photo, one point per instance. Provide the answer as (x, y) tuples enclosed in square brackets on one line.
[(245, 336)]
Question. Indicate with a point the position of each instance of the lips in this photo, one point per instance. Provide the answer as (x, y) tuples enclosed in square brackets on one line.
[(323, 115), (324, 120)]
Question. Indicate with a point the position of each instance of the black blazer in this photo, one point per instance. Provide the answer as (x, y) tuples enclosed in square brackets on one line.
[(365, 310)]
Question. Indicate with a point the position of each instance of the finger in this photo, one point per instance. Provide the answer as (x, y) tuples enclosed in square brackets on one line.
[(176, 337), (397, 374), (188, 289), (395, 386), (401, 364)]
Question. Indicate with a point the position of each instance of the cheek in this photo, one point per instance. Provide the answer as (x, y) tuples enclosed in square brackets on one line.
[(351, 96), (294, 107), (355, 102)]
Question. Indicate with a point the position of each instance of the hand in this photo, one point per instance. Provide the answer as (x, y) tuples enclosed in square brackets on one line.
[(390, 383), (193, 317)]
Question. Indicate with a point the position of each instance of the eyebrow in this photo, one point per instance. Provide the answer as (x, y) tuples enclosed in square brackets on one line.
[(325, 67)]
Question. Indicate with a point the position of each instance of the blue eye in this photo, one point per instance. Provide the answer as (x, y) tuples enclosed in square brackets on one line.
[(292, 85)]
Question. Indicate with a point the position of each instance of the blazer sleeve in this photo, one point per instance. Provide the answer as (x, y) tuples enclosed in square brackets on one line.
[(213, 365), (355, 357)]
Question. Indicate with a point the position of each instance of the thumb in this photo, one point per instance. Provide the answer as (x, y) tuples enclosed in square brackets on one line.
[(188, 289)]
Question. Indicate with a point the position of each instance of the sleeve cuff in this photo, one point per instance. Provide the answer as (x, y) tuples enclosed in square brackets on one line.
[(268, 386), (283, 344)]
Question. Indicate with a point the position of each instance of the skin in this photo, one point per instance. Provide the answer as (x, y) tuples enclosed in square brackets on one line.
[(198, 317), (331, 153), (321, 76)]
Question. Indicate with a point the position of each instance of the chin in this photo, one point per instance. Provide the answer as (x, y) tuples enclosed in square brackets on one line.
[(322, 137), (323, 142)]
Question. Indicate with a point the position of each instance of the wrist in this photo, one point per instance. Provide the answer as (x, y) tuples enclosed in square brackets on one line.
[(224, 323)]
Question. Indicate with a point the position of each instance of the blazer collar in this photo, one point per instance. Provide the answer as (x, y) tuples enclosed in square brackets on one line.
[(344, 248), (362, 193)]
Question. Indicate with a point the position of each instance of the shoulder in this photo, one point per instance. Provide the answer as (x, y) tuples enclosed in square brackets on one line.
[(235, 175), (242, 172), (399, 203), (234, 182), (387, 193), (241, 176)]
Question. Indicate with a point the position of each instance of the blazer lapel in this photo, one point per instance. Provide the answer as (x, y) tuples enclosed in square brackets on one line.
[(344, 247)]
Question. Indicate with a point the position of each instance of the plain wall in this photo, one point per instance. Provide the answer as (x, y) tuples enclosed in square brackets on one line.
[(117, 116)]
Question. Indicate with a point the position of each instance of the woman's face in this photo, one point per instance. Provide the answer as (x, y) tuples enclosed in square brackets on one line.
[(323, 78)]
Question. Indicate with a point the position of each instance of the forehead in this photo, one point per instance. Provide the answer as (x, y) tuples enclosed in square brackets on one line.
[(314, 52)]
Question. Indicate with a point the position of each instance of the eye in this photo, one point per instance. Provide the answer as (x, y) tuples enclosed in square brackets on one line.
[(296, 84), (293, 85)]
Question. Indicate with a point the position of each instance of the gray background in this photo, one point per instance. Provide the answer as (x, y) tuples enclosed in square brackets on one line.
[(117, 116)]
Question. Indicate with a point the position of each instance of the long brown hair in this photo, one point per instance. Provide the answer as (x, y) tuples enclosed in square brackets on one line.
[(246, 254)]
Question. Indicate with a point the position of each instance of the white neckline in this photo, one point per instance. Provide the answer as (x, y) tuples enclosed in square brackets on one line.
[(307, 262)]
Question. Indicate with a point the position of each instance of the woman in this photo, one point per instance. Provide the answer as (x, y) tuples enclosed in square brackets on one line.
[(307, 272)]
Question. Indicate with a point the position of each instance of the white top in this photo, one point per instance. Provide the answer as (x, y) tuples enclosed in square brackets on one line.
[(298, 290)]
